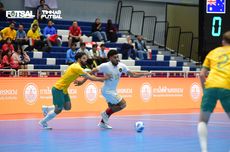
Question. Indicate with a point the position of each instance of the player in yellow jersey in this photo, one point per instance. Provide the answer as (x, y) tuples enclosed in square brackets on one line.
[(215, 87), (60, 95)]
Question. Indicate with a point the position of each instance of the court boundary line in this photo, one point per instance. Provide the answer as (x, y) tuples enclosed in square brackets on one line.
[(91, 117)]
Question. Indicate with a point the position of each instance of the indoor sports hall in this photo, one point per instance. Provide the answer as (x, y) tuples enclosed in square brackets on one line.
[(114, 76)]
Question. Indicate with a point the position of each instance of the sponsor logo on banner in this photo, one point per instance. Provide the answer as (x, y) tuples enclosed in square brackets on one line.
[(91, 92), (30, 93), (146, 92), (195, 91), (165, 91), (125, 92), (8, 94), (51, 14), (19, 14)]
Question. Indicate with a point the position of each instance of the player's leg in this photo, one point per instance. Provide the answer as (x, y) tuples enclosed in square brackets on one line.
[(208, 104), (46, 109), (67, 104), (225, 101), (58, 101), (115, 104)]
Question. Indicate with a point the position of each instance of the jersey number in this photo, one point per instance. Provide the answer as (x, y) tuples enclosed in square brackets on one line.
[(224, 59)]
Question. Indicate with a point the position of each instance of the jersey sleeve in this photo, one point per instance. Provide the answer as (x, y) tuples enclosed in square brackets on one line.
[(125, 69)]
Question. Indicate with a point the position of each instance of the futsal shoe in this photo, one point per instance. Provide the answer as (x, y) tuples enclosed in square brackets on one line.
[(105, 117), (104, 125), (44, 125), (44, 110)]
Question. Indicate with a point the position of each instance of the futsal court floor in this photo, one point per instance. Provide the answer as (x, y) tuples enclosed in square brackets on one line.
[(162, 133)]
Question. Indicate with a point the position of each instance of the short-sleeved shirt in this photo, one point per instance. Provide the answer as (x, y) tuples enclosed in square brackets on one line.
[(218, 61), (115, 71), (75, 31), (21, 34), (8, 32), (33, 35), (72, 73)]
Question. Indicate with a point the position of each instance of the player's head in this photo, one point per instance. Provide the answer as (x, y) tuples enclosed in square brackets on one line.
[(226, 38), (113, 57), (81, 58)]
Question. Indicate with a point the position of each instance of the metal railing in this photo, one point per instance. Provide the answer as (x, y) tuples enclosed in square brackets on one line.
[(155, 32), (40, 72), (8, 72)]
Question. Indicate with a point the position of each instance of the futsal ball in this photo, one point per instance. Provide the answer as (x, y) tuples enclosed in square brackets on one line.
[(139, 126)]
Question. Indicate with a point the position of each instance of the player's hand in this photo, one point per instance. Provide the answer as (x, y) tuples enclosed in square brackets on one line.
[(77, 83), (107, 76)]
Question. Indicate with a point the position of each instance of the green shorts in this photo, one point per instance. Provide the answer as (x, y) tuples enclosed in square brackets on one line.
[(59, 97), (210, 97)]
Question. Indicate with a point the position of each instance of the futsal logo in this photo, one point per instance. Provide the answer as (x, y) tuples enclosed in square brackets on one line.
[(19, 14), (146, 92), (91, 92), (195, 91), (30, 93)]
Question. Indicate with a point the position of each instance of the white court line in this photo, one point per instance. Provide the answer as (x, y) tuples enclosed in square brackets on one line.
[(175, 120), (91, 117)]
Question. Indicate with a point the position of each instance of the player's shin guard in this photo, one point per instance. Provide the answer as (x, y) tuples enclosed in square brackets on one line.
[(203, 136)]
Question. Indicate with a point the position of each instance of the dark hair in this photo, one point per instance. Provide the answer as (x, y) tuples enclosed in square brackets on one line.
[(112, 53), (34, 25), (1, 5), (102, 45), (94, 45), (109, 22), (49, 21), (8, 38), (226, 37), (79, 55), (72, 44), (82, 44)]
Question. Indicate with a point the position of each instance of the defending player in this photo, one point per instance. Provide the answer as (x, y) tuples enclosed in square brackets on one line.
[(216, 86), (60, 94)]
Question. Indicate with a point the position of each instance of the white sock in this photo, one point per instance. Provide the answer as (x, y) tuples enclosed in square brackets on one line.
[(50, 108), (49, 116), (203, 136)]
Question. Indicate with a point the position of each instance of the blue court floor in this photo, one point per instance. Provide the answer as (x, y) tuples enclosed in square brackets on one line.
[(163, 133)]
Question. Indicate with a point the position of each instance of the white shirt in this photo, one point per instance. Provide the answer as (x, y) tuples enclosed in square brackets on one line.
[(115, 71)]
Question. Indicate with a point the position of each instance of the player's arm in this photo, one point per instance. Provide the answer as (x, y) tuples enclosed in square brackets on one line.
[(81, 82), (94, 78), (203, 74), (139, 74)]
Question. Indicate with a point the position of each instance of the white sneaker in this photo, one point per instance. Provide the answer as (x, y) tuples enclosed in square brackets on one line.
[(44, 110), (105, 117), (104, 125), (44, 125)]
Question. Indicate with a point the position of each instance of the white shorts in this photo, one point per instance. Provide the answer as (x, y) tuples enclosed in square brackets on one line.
[(111, 96)]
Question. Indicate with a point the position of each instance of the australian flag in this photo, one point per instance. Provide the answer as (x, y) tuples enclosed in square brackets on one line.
[(216, 6)]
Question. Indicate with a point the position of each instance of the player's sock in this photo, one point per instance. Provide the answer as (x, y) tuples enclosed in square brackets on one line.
[(47, 109), (50, 108), (109, 112), (203, 136), (49, 116)]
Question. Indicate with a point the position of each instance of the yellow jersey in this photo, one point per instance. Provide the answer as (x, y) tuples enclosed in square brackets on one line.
[(34, 35), (8, 32), (72, 73), (218, 62)]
